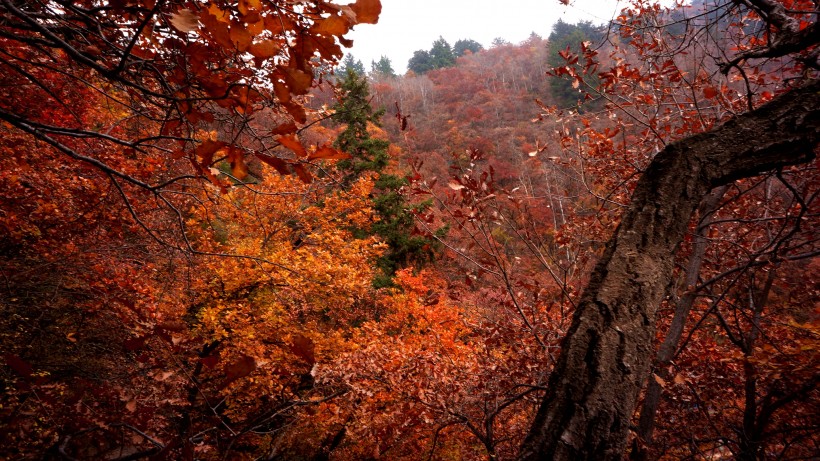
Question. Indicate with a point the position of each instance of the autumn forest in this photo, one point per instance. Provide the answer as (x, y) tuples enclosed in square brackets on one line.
[(223, 237)]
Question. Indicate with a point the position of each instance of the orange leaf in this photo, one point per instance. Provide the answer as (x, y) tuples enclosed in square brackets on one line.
[(328, 153), (296, 111), (185, 20), (240, 37), (291, 141), (298, 82), (218, 13), (238, 167), (659, 380), (367, 11), (264, 49), (334, 25), (206, 150)]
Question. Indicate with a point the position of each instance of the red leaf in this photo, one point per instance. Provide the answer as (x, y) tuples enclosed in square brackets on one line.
[(303, 347), (239, 369), (710, 92), (303, 173), (210, 361), (285, 128), (280, 165), (19, 365), (172, 326)]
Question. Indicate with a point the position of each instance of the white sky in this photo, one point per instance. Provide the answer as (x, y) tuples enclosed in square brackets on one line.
[(409, 25)]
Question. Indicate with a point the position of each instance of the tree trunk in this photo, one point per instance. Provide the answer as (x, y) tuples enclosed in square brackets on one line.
[(668, 348), (591, 395)]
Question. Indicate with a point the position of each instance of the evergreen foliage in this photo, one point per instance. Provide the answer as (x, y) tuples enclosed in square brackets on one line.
[(570, 36), (383, 67), (396, 223), (351, 63), (464, 45), (421, 62), (441, 55)]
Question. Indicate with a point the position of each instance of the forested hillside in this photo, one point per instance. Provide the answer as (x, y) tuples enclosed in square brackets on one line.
[(221, 240)]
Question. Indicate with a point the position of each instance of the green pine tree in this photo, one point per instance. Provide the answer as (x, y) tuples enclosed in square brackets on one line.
[(396, 216), (382, 68), (563, 36)]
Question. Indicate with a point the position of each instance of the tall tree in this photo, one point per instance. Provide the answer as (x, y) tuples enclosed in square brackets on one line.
[(442, 54), (421, 62), (396, 217), (351, 63), (383, 67), (464, 45), (589, 403)]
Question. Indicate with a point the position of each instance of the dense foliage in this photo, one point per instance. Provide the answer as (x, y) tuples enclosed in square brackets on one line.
[(211, 244)]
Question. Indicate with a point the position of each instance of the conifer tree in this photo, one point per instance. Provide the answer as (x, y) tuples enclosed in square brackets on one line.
[(396, 216)]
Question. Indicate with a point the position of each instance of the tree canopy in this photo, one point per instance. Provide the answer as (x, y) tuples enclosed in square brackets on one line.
[(220, 238), (441, 55)]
